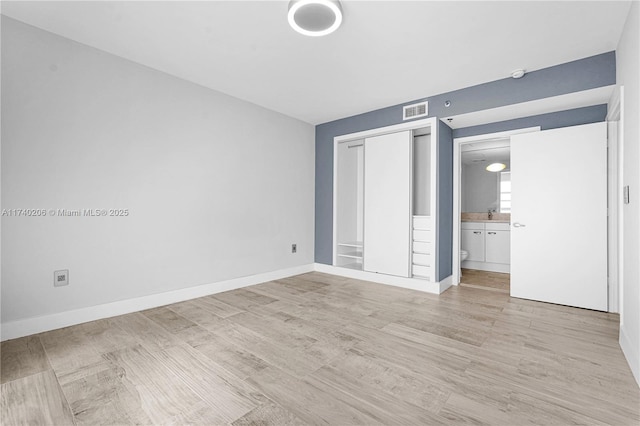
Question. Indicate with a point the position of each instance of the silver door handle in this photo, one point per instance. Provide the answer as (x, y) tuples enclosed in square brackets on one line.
[(519, 225), (477, 232)]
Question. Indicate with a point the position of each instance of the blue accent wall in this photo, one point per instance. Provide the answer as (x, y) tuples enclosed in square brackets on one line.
[(584, 74), (554, 120), (588, 73)]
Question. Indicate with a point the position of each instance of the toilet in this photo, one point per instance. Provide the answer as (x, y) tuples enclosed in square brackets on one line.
[(463, 255)]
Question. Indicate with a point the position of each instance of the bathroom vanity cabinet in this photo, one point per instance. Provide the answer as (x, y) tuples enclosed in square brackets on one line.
[(497, 243), (488, 245), (472, 240)]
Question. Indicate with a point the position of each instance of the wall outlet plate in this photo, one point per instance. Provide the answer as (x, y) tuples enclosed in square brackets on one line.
[(61, 278), (294, 248)]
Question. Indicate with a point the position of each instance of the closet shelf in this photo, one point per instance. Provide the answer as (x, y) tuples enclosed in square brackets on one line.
[(351, 254), (357, 244)]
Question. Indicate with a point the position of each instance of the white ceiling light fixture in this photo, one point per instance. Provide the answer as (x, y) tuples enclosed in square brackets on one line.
[(315, 17), (496, 167)]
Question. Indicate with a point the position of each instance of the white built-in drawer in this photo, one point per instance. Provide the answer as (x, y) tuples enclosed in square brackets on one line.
[(422, 259), (472, 225), (421, 247), (421, 222), (419, 235), (489, 226), (422, 271)]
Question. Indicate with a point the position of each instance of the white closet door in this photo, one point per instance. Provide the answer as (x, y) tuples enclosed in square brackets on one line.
[(387, 203), (559, 216)]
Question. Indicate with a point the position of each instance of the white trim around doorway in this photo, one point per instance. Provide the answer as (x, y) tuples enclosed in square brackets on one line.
[(457, 143), (615, 197)]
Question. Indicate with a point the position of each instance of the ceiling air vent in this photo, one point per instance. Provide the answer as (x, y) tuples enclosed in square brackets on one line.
[(415, 111)]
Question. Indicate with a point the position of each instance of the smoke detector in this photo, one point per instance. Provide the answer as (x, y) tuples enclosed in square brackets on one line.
[(519, 73)]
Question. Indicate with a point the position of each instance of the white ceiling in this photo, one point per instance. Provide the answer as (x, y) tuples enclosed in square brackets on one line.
[(486, 153), (385, 53)]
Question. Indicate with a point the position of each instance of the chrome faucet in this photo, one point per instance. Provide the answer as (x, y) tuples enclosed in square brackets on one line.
[(490, 214)]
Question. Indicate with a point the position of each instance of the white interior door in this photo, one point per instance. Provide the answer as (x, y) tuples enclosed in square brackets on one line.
[(387, 203), (559, 216)]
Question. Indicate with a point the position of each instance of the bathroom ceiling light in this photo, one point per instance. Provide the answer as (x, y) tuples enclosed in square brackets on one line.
[(496, 167), (315, 17)]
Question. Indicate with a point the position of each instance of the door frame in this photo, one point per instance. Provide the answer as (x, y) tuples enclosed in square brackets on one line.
[(457, 190), (615, 222), (432, 124)]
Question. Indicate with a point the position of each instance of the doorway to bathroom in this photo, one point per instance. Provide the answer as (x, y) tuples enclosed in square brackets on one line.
[(485, 204), (557, 258), (486, 280), (482, 211)]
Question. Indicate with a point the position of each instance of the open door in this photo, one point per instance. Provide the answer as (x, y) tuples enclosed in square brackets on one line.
[(559, 216)]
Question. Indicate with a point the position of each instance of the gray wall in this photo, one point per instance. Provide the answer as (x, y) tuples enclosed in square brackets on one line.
[(554, 120), (588, 73), (444, 200), (216, 188), (479, 188)]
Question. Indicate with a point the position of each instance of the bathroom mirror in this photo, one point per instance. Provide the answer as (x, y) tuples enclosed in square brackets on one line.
[(482, 190)]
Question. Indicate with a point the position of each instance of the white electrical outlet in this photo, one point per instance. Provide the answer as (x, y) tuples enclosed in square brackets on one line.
[(294, 248), (61, 278)]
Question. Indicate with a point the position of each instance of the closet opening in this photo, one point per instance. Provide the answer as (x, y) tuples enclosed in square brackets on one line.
[(385, 203)]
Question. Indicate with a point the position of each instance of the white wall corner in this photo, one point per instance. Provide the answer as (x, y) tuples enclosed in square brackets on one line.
[(33, 325), (631, 353)]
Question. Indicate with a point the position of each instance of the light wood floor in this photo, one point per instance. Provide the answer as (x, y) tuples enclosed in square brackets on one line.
[(319, 349), (494, 281)]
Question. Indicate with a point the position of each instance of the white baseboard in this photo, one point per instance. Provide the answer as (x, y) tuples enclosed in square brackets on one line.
[(29, 326), (446, 283), (411, 283), (487, 266), (33, 325), (631, 353)]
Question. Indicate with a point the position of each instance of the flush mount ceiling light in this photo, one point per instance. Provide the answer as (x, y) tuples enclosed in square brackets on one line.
[(496, 167), (315, 17)]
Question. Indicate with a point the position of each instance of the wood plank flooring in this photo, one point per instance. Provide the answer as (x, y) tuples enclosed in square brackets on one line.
[(486, 280), (321, 349)]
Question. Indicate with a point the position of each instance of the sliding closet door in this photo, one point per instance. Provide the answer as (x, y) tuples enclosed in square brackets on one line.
[(387, 203)]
